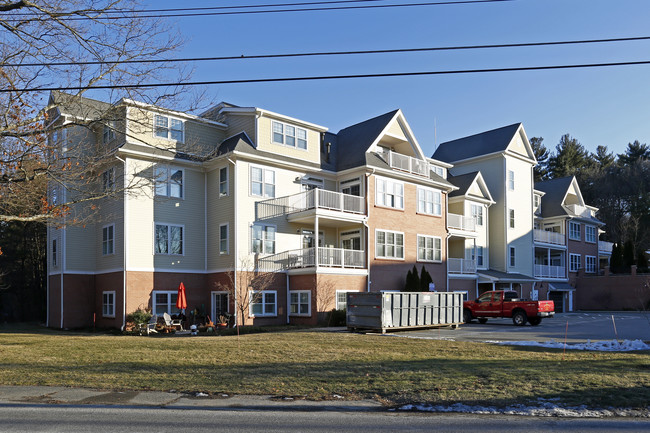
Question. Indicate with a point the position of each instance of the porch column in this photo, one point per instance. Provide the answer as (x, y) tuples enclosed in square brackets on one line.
[(548, 260), (316, 237)]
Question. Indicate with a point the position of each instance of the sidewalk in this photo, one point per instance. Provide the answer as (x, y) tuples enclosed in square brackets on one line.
[(57, 395)]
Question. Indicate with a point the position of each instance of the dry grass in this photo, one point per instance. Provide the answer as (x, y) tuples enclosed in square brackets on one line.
[(318, 365)]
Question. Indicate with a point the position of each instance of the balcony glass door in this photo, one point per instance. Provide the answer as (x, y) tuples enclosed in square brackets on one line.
[(351, 240)]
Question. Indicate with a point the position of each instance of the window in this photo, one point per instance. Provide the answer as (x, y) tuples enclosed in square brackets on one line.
[(262, 182), (341, 299), (512, 218), (590, 264), (477, 214), (168, 181), (574, 231), (223, 239), (390, 193), (289, 135), (164, 302), (536, 201), (263, 239), (223, 181), (168, 127), (108, 304), (429, 248), (511, 180), (108, 240), (54, 252), (389, 245), (169, 239), (440, 171), (590, 234), (109, 133), (263, 303), (478, 256), (513, 256), (108, 180), (429, 201), (300, 304), (574, 262)]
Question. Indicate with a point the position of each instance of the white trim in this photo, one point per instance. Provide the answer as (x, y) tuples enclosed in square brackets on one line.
[(250, 180), (263, 292), (284, 135), (169, 294), (263, 225), (395, 245), (512, 256), (595, 264), (299, 314), (168, 127), (227, 193), (227, 252), (271, 114), (434, 191), (579, 238), (392, 183), (164, 111), (109, 292), (212, 306), (579, 256), (80, 272), (168, 181), (595, 241), (417, 248), (112, 253), (168, 225)]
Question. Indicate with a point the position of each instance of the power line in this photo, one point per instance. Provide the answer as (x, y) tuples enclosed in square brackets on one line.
[(331, 77), (266, 11), (336, 53)]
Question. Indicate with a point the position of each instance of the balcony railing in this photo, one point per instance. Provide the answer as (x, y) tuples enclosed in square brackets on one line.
[(461, 266), (545, 271), (461, 222), (549, 237), (605, 247), (406, 163), (580, 210), (306, 258), (313, 199)]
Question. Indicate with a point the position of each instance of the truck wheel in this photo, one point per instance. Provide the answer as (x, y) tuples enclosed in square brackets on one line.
[(519, 318), (534, 321), (482, 320), (467, 316)]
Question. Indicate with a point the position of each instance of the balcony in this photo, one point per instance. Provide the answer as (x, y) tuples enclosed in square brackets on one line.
[(306, 258), (306, 204), (398, 161), (580, 210), (547, 237), (545, 271), (461, 266), (605, 248), (460, 222)]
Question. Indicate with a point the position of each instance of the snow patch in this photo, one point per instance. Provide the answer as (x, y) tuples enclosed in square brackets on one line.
[(603, 346)]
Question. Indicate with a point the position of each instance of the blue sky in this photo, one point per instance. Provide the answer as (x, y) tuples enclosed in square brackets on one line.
[(603, 106)]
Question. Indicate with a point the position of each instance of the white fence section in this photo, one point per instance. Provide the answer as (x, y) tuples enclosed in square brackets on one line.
[(460, 222), (306, 258), (605, 247), (549, 237), (406, 163), (461, 266), (550, 271), (313, 199)]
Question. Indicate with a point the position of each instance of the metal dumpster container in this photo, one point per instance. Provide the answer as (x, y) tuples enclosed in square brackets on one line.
[(391, 311)]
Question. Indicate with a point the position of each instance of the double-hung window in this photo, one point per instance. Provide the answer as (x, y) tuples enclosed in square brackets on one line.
[(108, 240), (574, 231), (478, 256), (169, 128), (262, 182), (590, 234), (390, 193), (223, 239), (429, 248), (574, 262), (169, 239), (263, 238), (341, 299), (512, 218), (223, 181), (289, 135), (513, 257), (429, 201), (300, 303), (389, 244), (54, 253), (477, 214), (108, 180), (108, 133), (590, 264), (168, 181), (511, 180), (108, 304), (263, 303), (164, 302)]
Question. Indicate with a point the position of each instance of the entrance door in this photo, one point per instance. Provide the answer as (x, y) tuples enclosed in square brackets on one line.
[(219, 305), (558, 300), (308, 240)]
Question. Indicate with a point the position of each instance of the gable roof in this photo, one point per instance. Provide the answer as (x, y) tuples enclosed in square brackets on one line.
[(554, 192), (485, 143), (353, 142), (239, 142), (78, 106), (463, 182)]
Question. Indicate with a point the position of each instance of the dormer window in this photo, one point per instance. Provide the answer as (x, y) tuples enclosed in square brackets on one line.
[(168, 127), (289, 135)]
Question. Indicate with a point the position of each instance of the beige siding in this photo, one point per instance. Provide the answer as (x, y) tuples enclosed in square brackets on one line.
[(265, 142), (521, 201), (220, 210)]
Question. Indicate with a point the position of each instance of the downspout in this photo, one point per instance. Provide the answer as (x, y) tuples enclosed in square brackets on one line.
[(63, 234), (365, 223), (236, 249), (447, 241), (124, 245)]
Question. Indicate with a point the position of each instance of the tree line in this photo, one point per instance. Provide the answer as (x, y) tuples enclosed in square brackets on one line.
[(617, 184)]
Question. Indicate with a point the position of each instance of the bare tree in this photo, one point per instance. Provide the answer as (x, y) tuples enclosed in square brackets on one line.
[(75, 45), (325, 296)]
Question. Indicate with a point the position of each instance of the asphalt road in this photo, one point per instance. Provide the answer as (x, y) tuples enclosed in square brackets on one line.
[(73, 419), (578, 327)]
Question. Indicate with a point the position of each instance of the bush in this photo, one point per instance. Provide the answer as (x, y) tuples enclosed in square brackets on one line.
[(139, 317), (337, 318)]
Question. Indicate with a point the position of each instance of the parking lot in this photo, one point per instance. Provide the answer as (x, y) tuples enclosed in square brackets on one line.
[(579, 328)]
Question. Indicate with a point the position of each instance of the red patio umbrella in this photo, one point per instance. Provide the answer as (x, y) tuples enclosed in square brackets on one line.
[(181, 301)]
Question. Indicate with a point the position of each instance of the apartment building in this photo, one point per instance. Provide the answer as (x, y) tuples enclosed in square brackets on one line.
[(241, 189)]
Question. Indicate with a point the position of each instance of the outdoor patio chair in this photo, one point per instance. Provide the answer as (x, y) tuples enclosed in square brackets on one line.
[(150, 327), (176, 323)]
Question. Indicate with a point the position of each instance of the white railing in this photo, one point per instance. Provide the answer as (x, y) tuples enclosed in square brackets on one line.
[(461, 222), (546, 271), (580, 210), (461, 266), (306, 258), (605, 247), (549, 237), (406, 163), (313, 199)]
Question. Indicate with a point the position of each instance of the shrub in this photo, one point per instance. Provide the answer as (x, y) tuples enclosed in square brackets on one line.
[(337, 318), (139, 317)]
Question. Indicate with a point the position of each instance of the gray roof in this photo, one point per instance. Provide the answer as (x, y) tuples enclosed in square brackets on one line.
[(485, 143), (79, 106), (353, 141), (554, 191), (463, 182), (505, 277)]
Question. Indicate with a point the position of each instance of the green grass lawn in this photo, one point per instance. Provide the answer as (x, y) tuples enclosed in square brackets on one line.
[(317, 365)]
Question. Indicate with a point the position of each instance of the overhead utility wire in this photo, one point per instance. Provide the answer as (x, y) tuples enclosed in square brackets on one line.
[(336, 8), (335, 53), (330, 77)]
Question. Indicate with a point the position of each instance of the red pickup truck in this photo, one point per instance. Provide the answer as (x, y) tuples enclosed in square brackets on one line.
[(505, 303)]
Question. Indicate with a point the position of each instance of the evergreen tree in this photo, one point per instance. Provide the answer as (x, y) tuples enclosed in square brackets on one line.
[(412, 281), (570, 158), (540, 171), (616, 260), (634, 152), (628, 254), (641, 261), (425, 279)]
